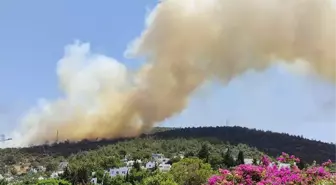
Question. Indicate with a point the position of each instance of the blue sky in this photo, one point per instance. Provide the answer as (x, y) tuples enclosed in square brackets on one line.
[(33, 35)]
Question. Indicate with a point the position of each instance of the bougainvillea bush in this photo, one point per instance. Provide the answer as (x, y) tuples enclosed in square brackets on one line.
[(268, 173)]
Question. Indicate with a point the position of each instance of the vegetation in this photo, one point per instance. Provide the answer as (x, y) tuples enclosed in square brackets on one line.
[(267, 174), (268, 142), (191, 171), (205, 151), (53, 182)]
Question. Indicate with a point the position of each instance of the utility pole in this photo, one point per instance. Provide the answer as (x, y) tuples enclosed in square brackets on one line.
[(4, 139), (57, 137)]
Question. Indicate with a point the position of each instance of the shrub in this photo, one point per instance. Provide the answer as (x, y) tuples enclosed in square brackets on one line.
[(268, 173), (53, 182)]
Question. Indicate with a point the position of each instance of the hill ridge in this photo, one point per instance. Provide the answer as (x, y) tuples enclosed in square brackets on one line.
[(271, 143)]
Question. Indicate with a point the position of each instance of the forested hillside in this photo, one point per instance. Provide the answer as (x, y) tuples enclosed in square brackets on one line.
[(268, 142), (271, 143), (218, 147)]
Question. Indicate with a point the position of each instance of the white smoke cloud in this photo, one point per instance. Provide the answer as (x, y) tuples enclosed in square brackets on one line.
[(185, 44), (82, 75), (277, 99)]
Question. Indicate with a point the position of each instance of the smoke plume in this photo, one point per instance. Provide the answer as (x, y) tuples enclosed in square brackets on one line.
[(185, 43)]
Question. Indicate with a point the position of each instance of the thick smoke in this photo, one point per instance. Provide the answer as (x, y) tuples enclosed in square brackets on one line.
[(186, 42)]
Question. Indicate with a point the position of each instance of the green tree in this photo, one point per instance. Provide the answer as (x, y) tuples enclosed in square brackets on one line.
[(3, 182), (10, 160), (109, 162), (34, 164), (136, 176), (82, 175), (255, 161), (122, 152), (53, 182), (118, 180), (240, 158), (51, 166), (216, 161), (136, 165), (28, 179), (67, 175), (190, 154), (301, 165), (191, 171), (159, 179), (100, 175), (174, 160), (127, 177), (204, 153), (228, 159)]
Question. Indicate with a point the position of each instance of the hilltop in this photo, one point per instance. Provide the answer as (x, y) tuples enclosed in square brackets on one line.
[(270, 143)]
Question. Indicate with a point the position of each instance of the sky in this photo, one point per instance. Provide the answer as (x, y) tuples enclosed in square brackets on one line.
[(33, 36)]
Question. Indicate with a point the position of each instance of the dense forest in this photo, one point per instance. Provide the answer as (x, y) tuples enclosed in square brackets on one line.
[(217, 147), (270, 143), (206, 155)]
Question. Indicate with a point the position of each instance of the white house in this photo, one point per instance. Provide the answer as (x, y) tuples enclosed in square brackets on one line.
[(119, 171), (8, 179), (40, 178), (248, 161), (157, 157), (281, 165), (284, 165), (54, 175), (124, 160), (62, 166), (33, 170), (164, 167), (94, 181), (131, 163), (150, 165), (181, 156), (41, 168), (164, 160)]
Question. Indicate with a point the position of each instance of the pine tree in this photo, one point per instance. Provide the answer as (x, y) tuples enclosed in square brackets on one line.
[(228, 159), (255, 161), (301, 165), (240, 158), (136, 166), (67, 174), (204, 153), (126, 177), (82, 175), (189, 154), (155, 167)]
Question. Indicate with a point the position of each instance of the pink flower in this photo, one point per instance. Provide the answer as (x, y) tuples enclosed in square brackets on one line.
[(328, 163), (266, 174), (214, 179)]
